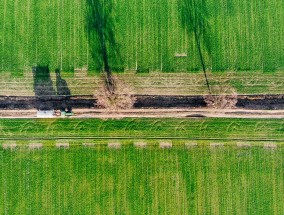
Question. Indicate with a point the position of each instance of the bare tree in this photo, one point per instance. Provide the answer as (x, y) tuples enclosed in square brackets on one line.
[(194, 18), (100, 28)]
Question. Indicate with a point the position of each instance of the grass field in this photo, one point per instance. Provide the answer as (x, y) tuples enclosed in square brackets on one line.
[(235, 166), (243, 35), (99, 180), (96, 179)]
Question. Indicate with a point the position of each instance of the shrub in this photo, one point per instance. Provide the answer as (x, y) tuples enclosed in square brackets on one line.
[(222, 98), (122, 97)]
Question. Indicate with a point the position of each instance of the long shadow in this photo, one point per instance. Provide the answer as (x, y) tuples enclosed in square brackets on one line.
[(195, 19), (43, 88), (63, 93), (101, 37)]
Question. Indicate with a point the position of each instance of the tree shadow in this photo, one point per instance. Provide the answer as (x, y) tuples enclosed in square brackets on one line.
[(101, 37), (43, 88), (195, 20), (63, 93)]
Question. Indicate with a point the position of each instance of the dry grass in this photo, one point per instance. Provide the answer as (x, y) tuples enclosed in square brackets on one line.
[(114, 145), (140, 144), (63, 145), (270, 146), (216, 145), (10, 145), (243, 145), (88, 144), (165, 145), (189, 145), (33, 146)]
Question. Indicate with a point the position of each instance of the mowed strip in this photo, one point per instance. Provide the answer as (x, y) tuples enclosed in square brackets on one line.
[(179, 83), (139, 128)]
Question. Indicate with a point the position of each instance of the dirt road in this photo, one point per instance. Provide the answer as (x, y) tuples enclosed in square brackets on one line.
[(154, 113)]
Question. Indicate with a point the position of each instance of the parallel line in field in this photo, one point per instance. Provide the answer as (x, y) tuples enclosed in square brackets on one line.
[(145, 137)]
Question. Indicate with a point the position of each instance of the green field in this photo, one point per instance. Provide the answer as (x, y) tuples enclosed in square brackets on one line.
[(244, 35), (96, 179), (99, 180), (214, 165)]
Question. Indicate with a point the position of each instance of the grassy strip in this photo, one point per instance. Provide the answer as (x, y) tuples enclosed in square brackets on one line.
[(158, 83), (143, 128)]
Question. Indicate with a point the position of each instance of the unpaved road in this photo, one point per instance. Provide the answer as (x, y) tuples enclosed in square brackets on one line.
[(155, 113)]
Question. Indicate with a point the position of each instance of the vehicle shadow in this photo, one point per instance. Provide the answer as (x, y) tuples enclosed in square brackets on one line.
[(63, 93)]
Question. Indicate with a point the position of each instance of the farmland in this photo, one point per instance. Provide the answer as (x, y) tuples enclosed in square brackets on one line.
[(189, 164), (149, 35), (228, 168), (96, 179), (99, 180)]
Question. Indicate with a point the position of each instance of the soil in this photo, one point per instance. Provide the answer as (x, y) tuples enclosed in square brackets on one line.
[(261, 102), (253, 102)]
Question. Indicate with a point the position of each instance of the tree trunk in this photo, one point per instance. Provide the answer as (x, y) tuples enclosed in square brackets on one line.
[(202, 60), (109, 78), (107, 70)]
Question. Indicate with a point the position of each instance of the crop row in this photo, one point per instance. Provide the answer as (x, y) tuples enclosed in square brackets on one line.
[(243, 35), (131, 181)]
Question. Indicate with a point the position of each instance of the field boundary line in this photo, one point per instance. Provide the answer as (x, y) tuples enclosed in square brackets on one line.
[(141, 137)]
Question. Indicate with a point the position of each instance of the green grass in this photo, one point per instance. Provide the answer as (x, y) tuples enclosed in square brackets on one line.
[(100, 180), (210, 128), (245, 35), (142, 181)]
